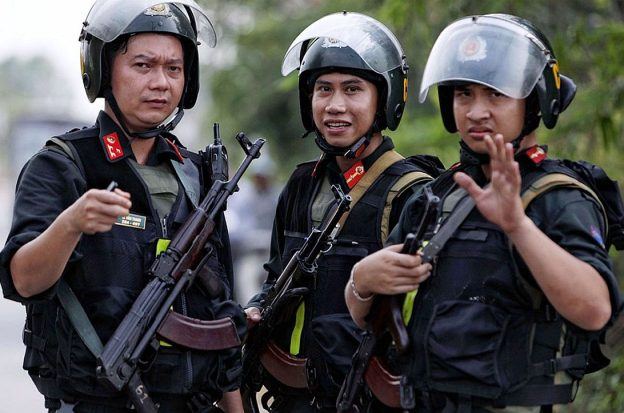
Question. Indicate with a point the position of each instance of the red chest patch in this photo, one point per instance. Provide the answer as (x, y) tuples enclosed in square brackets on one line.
[(354, 174), (536, 154), (112, 146)]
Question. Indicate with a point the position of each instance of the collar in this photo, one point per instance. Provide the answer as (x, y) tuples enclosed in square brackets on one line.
[(385, 146), (336, 176), (535, 154), (116, 145)]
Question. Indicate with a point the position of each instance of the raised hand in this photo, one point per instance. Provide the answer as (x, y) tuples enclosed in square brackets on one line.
[(500, 201)]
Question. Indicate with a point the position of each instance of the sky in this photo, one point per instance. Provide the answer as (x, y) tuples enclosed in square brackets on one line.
[(48, 28)]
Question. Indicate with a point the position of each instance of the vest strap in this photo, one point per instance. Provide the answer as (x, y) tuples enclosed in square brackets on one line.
[(189, 176), (552, 366), (32, 340), (78, 318), (399, 187), (66, 147), (553, 180), (539, 395), (382, 163)]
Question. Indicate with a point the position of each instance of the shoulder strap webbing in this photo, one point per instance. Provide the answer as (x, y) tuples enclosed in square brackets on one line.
[(189, 176), (74, 310), (399, 187), (553, 180), (68, 149), (78, 318), (543, 185), (379, 166)]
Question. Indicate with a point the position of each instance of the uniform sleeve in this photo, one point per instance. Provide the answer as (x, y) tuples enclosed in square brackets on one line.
[(48, 184), (576, 223)]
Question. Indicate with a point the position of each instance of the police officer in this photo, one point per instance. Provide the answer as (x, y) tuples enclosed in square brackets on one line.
[(70, 233), (352, 86), (516, 295)]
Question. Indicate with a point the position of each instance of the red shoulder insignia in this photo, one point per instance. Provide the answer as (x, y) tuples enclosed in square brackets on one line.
[(175, 149), (354, 174), (112, 146), (536, 154)]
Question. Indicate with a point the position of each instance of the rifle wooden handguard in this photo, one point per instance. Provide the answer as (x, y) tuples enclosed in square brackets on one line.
[(204, 335), (285, 368)]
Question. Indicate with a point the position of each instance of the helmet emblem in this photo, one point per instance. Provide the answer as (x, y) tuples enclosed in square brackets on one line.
[(331, 42), (473, 49), (161, 9)]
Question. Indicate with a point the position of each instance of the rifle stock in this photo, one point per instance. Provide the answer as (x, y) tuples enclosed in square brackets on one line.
[(284, 296), (172, 272)]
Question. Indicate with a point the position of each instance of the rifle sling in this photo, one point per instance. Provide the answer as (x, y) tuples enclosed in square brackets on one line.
[(78, 318), (203, 335), (448, 228), (287, 369)]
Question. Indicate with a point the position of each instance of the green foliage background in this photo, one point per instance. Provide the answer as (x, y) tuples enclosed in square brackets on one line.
[(249, 93)]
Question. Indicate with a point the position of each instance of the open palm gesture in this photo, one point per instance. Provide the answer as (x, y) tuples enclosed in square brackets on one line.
[(500, 201)]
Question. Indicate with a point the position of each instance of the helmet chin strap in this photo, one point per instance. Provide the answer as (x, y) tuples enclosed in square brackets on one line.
[(147, 134), (350, 152)]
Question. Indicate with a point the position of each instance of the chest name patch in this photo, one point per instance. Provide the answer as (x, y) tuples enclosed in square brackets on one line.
[(132, 221), (112, 146), (354, 174)]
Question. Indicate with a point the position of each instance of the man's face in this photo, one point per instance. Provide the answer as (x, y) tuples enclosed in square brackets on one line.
[(147, 79), (480, 111), (343, 107)]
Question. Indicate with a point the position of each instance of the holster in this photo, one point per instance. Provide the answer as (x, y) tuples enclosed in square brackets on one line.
[(204, 335), (285, 368)]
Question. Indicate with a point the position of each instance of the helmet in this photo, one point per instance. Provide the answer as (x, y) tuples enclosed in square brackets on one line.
[(506, 53), (351, 43), (109, 20)]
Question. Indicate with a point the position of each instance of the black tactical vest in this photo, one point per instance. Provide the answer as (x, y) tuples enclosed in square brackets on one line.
[(106, 279), (477, 329), (329, 336)]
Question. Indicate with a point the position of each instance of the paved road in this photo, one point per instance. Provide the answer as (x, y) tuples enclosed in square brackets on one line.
[(18, 393)]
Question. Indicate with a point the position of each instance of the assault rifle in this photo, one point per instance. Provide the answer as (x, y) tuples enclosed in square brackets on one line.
[(282, 299), (385, 318), (172, 272)]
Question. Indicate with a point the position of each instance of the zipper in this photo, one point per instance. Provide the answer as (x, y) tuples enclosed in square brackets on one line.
[(163, 226)]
